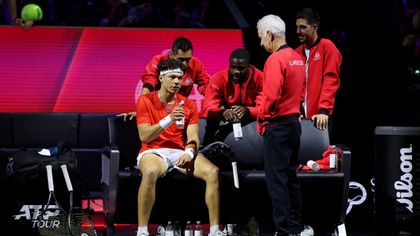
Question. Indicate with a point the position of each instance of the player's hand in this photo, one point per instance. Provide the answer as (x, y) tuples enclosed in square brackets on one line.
[(130, 115), (26, 25), (229, 115), (321, 121), (300, 117), (240, 111), (178, 113), (183, 160)]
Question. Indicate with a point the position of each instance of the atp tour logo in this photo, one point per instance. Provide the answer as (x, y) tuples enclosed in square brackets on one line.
[(404, 186), (32, 212)]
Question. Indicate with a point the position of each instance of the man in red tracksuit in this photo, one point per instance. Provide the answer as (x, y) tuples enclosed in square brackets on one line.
[(234, 92), (323, 61), (195, 74), (278, 123)]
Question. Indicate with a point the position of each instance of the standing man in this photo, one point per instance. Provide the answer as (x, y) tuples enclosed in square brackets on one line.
[(278, 123), (234, 92), (322, 65), (195, 72), (167, 145)]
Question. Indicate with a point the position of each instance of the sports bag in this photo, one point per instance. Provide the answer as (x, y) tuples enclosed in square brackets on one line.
[(28, 165)]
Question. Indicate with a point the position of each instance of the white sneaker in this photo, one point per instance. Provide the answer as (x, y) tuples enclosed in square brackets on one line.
[(229, 230), (160, 231), (218, 233), (141, 234), (307, 231)]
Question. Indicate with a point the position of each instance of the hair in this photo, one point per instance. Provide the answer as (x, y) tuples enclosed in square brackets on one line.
[(182, 44), (310, 15), (240, 53), (170, 64), (272, 23)]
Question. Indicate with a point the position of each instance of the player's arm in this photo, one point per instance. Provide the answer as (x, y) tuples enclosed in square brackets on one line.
[(148, 132), (331, 79), (202, 80), (193, 141), (212, 102), (190, 147), (150, 76), (259, 77)]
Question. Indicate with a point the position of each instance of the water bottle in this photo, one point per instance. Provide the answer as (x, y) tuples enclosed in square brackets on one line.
[(188, 229), (333, 157), (237, 129), (169, 230), (253, 227), (180, 123), (161, 230), (177, 229), (198, 231), (313, 165)]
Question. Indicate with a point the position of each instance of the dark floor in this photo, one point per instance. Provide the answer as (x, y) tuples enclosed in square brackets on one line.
[(130, 230)]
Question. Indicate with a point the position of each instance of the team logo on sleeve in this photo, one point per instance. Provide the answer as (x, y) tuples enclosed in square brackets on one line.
[(296, 62)]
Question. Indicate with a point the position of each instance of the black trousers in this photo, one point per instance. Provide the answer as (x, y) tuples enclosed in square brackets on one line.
[(281, 144)]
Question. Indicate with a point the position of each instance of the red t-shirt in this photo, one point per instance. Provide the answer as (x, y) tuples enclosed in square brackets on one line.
[(150, 110)]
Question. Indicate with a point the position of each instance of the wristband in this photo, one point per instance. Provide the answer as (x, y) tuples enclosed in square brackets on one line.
[(166, 122), (190, 152)]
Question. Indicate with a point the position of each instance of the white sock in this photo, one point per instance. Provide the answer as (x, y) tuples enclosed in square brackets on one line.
[(142, 230), (214, 229)]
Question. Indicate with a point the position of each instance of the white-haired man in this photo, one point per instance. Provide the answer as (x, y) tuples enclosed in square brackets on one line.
[(278, 123)]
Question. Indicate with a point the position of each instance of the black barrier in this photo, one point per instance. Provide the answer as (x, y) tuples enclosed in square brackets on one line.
[(397, 190)]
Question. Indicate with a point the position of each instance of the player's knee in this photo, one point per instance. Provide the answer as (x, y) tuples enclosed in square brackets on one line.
[(213, 173), (150, 174)]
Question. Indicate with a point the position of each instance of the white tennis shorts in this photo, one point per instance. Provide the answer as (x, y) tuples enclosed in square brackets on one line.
[(170, 155)]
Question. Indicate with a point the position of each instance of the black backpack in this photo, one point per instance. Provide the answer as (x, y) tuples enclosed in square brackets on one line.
[(25, 165)]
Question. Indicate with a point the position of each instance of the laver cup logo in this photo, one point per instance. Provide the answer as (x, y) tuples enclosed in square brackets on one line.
[(32, 212), (404, 186)]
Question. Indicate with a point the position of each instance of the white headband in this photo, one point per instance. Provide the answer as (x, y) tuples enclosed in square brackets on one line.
[(177, 70)]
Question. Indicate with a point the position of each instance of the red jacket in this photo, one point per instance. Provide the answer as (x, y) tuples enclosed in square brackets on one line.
[(222, 94), (323, 77), (195, 74), (284, 75)]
